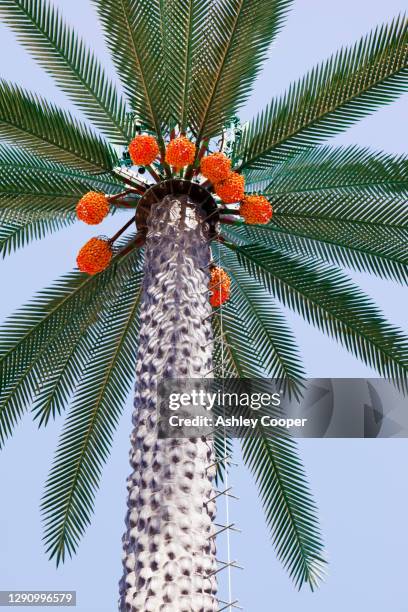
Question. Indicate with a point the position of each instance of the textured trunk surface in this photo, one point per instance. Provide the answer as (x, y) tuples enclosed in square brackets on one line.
[(168, 549)]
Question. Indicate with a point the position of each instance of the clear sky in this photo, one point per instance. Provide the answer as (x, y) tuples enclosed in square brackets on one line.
[(361, 486)]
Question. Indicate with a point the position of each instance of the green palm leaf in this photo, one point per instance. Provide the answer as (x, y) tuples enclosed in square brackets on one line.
[(327, 298), (329, 99), (324, 171), (37, 125), (360, 209), (57, 48), (35, 340), (237, 34), (345, 205), (24, 228), (16, 158), (183, 32), (369, 248), (87, 436), (288, 504), (133, 32), (18, 394), (74, 345), (29, 183), (273, 353), (377, 250)]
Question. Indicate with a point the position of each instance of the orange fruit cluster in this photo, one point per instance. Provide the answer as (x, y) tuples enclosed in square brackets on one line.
[(94, 256), (216, 167), (219, 286), (143, 150), (231, 189), (255, 210), (180, 152), (92, 208)]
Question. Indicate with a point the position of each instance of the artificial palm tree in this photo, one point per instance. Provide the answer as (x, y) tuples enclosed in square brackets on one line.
[(186, 66)]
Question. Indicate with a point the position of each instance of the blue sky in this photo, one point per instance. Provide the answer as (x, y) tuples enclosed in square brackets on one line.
[(361, 486)]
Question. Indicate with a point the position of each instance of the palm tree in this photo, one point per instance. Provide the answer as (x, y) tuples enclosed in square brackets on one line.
[(186, 67)]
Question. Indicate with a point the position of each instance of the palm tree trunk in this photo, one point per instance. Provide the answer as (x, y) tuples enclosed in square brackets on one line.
[(169, 550)]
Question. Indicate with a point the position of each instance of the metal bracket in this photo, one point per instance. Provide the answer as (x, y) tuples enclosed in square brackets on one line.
[(226, 493), (217, 367), (217, 339), (231, 604), (222, 460), (214, 312), (224, 566), (224, 528)]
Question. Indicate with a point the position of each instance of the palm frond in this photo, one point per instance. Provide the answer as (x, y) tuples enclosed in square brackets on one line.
[(24, 228), (183, 31), (378, 250), (374, 249), (237, 34), (273, 460), (324, 171), (40, 28), (12, 157), (74, 345), (288, 504), (347, 206), (275, 354), (34, 341), (329, 300), (133, 32), (30, 184), (87, 436), (37, 125), (17, 395), (349, 86), (77, 350), (361, 210)]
